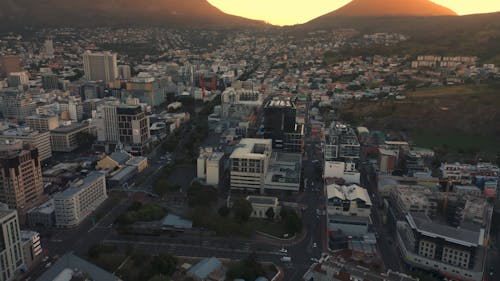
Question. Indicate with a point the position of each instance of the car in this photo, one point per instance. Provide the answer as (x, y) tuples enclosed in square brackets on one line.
[(48, 265), (284, 250), (46, 258), (314, 260), (315, 245)]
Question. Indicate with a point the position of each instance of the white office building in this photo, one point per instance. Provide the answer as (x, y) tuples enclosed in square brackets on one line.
[(249, 164), (78, 201), (210, 166)]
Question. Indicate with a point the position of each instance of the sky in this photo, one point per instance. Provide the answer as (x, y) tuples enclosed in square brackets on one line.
[(288, 12)]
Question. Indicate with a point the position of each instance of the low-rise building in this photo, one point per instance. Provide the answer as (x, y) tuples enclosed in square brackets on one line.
[(32, 248), (261, 204), (78, 201), (209, 269), (342, 170), (43, 215), (249, 164), (41, 140), (42, 123)]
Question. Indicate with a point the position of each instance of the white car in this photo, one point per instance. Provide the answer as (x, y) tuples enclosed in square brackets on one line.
[(315, 245), (283, 251)]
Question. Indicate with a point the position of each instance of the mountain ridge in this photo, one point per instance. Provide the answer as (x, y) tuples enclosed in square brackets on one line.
[(392, 8), (192, 13)]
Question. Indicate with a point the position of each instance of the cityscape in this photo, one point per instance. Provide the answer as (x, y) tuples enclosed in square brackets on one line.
[(168, 140)]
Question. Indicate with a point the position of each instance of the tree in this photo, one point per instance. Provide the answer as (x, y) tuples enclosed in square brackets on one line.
[(224, 211), (291, 219), (164, 264), (270, 213), (242, 210), (248, 268)]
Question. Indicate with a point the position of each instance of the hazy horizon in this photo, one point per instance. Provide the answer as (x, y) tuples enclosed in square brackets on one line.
[(296, 12)]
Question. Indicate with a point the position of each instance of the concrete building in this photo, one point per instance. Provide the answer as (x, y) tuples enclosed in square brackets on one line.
[(283, 173), (387, 160), (11, 255), (50, 81), (261, 204), (78, 201), (341, 143), (147, 88), (210, 166), (42, 215), (100, 66), (42, 123), (454, 253), (16, 104), (18, 79), (239, 103), (32, 248), (68, 138), (107, 122), (124, 72), (9, 64), (21, 185), (342, 170), (40, 140), (250, 163)]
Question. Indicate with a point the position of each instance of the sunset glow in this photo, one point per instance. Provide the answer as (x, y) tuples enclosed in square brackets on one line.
[(289, 12)]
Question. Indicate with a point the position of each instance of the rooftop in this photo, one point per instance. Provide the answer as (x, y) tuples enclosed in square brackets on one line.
[(426, 226), (177, 222), (206, 266), (81, 184), (251, 148), (69, 263), (351, 192), (70, 128)]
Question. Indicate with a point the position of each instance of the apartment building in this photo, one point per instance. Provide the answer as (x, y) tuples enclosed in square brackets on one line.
[(42, 123), (11, 255), (341, 143), (40, 140), (78, 201), (68, 138), (454, 253), (342, 170), (21, 185)]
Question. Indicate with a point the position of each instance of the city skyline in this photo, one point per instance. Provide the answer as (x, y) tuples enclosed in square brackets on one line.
[(296, 12)]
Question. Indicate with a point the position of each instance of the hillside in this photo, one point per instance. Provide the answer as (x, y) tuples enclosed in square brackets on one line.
[(392, 8), (477, 34), (189, 13), (456, 119)]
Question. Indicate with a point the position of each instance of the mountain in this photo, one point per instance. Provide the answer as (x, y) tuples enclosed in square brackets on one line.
[(371, 8), (180, 13)]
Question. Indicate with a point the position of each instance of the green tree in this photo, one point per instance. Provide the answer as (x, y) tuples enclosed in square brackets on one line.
[(164, 264), (270, 214), (248, 268), (242, 209), (224, 211)]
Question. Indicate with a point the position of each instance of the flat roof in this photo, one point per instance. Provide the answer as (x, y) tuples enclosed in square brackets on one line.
[(70, 128), (246, 148), (457, 235), (177, 222), (70, 262), (80, 184)]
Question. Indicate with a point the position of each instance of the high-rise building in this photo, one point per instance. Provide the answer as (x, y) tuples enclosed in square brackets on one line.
[(107, 122), (50, 81), (11, 254), (16, 104), (100, 66), (10, 63), (48, 48), (147, 89), (280, 126), (42, 123), (21, 185), (124, 72), (133, 128)]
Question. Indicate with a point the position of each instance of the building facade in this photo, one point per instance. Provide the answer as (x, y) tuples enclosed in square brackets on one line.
[(68, 138), (21, 185), (78, 201), (11, 255), (40, 140), (100, 66), (42, 123)]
